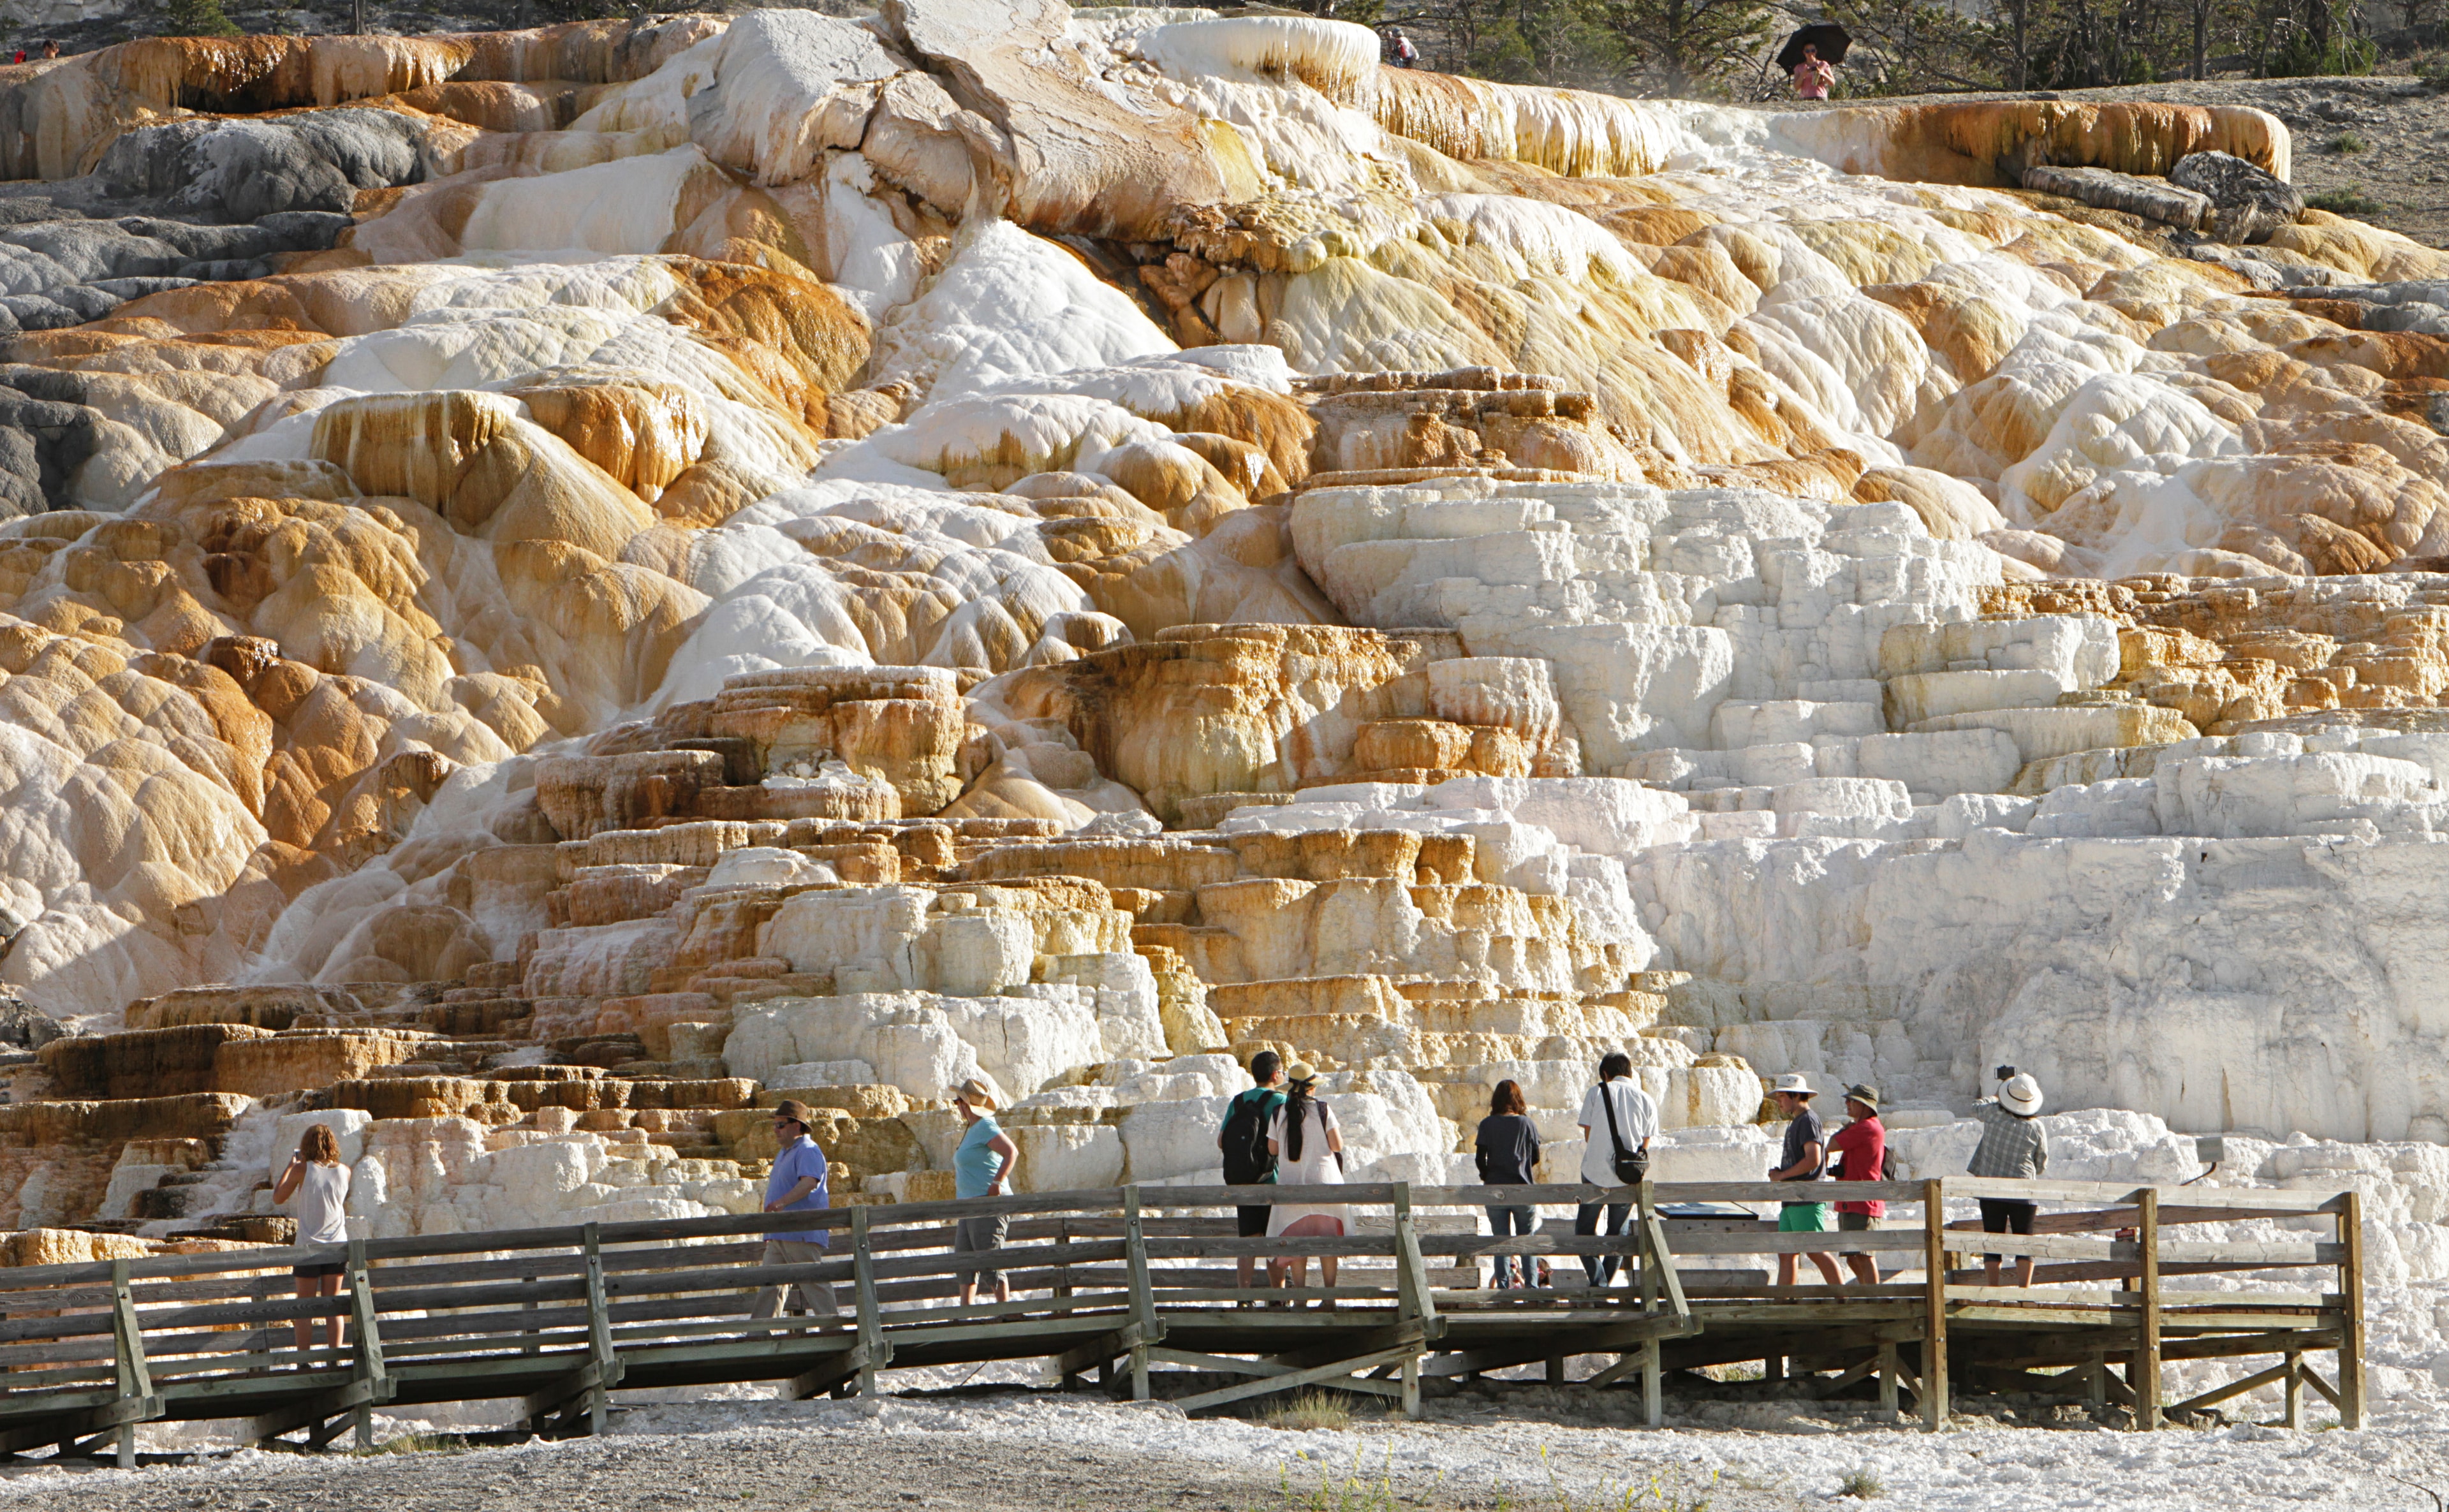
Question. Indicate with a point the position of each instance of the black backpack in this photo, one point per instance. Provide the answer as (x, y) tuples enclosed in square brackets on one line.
[(1247, 1160)]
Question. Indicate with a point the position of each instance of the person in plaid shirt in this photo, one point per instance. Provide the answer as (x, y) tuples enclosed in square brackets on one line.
[(2014, 1145)]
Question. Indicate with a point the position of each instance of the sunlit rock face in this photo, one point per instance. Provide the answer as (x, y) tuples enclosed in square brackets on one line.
[(558, 586)]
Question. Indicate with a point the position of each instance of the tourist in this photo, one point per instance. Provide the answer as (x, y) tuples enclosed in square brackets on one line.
[(1308, 1148), (1248, 1159), (1813, 76), (1859, 1152), (320, 1183), (51, 50), (2014, 1146), (1618, 1122), (1506, 1150), (981, 1168), (797, 1184), (1405, 54), (1805, 1159)]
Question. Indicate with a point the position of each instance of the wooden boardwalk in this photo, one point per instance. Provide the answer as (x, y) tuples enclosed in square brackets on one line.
[(1138, 1285)]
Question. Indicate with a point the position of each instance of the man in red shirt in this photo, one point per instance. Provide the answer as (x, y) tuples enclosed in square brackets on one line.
[(1859, 1153)]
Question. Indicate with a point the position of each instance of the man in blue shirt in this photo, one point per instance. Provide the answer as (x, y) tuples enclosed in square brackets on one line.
[(797, 1185)]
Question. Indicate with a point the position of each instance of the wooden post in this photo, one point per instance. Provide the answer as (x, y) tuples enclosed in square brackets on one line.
[(1143, 1294), (1063, 1286), (1653, 1405), (1888, 1380), (1934, 1349), (369, 1342), (2144, 1370), (1773, 1368), (2351, 1333), (871, 1323), (2095, 1380), (135, 1378), (599, 1338), (1555, 1370), (1649, 1263), (2295, 1418), (1413, 1301)]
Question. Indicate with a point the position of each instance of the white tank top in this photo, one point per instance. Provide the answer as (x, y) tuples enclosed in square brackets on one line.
[(322, 1196)]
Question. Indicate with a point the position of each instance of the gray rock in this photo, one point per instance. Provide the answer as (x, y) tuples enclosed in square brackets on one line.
[(26, 1025), (2250, 203), (2152, 198), (243, 170)]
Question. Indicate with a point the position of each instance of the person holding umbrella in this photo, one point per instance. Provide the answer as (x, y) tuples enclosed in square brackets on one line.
[(1813, 75), (1811, 58)]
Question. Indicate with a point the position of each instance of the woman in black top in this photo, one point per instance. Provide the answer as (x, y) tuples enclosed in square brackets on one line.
[(1508, 1149)]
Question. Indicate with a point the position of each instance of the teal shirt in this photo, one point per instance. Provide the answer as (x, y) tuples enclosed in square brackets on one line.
[(974, 1166)]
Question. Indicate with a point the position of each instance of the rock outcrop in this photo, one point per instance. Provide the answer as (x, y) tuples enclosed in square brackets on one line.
[(559, 587)]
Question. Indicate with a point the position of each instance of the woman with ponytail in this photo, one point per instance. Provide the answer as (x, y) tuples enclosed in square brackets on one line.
[(1309, 1152)]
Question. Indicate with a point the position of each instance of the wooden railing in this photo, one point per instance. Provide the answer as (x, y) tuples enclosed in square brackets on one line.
[(1144, 1277)]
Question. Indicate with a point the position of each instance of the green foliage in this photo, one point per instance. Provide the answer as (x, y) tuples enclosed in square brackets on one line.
[(1863, 1485), (2347, 199), (1682, 48), (197, 18), (2349, 141)]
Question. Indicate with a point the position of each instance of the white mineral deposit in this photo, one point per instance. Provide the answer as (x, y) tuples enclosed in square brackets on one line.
[(659, 564)]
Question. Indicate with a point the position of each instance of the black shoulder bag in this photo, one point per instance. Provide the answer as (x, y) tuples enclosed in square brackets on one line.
[(1630, 1165)]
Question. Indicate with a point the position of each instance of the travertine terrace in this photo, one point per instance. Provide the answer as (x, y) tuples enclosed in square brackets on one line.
[(557, 587)]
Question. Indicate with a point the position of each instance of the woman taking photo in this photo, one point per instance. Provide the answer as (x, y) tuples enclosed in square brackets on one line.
[(320, 1183)]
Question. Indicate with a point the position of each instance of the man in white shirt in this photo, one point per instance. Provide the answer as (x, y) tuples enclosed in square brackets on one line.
[(1618, 1120)]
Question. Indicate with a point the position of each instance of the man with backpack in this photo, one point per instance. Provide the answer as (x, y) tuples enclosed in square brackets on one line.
[(1618, 1122), (1244, 1141)]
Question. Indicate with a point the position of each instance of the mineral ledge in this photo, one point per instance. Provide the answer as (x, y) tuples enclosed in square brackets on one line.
[(556, 586)]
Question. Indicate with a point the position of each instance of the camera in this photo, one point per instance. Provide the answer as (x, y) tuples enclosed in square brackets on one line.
[(2005, 1072)]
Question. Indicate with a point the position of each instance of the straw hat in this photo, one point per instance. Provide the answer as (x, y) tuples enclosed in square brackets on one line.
[(977, 1092), (1301, 1071), (1792, 1082), (2021, 1095)]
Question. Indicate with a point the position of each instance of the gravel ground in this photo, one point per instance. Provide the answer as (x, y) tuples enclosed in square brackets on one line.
[(944, 1457), (1533, 1448)]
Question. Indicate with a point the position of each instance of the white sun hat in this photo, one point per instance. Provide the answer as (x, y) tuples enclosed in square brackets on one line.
[(2020, 1094), (1792, 1082)]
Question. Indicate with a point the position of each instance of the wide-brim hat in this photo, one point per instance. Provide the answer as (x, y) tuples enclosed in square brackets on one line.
[(1301, 1071), (976, 1093), (1865, 1094), (2020, 1094), (1792, 1082), (793, 1109)]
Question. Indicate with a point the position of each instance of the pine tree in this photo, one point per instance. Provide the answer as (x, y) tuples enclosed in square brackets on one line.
[(1682, 47), (197, 18)]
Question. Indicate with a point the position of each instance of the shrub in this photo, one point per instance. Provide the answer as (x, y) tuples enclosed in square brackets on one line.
[(2349, 141), (1863, 1485), (1311, 1409), (2347, 199)]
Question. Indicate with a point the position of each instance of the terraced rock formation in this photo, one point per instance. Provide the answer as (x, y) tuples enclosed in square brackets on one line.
[(559, 587)]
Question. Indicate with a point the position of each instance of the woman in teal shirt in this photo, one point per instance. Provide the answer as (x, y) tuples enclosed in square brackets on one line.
[(981, 1168)]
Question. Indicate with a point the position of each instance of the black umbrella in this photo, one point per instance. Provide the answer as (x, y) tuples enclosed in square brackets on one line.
[(1831, 39)]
